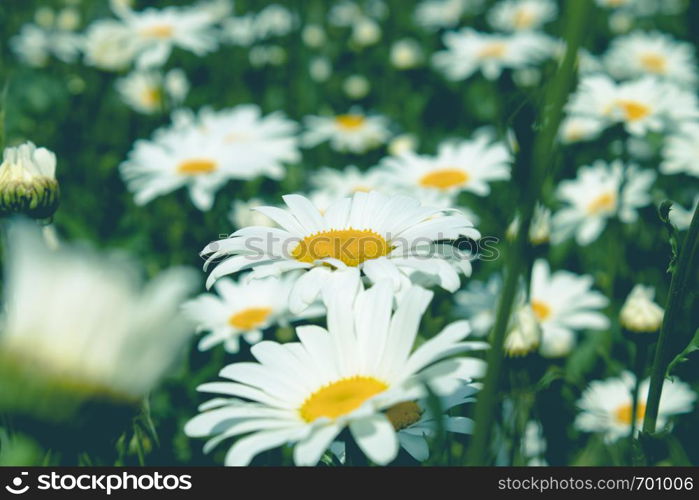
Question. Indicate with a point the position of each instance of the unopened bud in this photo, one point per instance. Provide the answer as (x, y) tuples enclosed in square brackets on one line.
[(639, 313)]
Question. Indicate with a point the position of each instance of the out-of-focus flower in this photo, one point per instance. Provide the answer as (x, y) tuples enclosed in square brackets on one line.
[(35, 44), (524, 334), (468, 51), (522, 15), (331, 185), (365, 32), (563, 303), (354, 132), (639, 313), (320, 69), (654, 54), (267, 55), (436, 14), (109, 45), (534, 444), (406, 53), (28, 182), (150, 91), (243, 214), (356, 86), (243, 309), (380, 236), (681, 217), (601, 191), (576, 128), (606, 406), (359, 385), (465, 165), (681, 151), (81, 326), (313, 35), (539, 229), (402, 144), (478, 301)]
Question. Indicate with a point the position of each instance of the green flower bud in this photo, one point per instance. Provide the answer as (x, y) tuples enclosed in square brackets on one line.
[(28, 182)]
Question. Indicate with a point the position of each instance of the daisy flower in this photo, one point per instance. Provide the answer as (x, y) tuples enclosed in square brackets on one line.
[(681, 151), (243, 309), (577, 128), (149, 91), (654, 54), (682, 217), (606, 406), (468, 51), (348, 376), (34, 45), (383, 237), (640, 105), (466, 165), (243, 214), (478, 302), (564, 302), (601, 191), (86, 324), (331, 185), (640, 314), (109, 45), (354, 132), (521, 15), (437, 14)]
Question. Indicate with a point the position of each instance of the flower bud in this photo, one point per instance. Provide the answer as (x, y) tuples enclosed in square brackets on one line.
[(28, 182), (524, 336), (639, 313)]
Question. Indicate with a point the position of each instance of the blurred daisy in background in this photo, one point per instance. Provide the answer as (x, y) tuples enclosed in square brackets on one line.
[(330, 185), (655, 54), (601, 191), (521, 15), (682, 217), (478, 302), (351, 375), (406, 53), (242, 309), (354, 132), (383, 237), (563, 303), (640, 314), (109, 45), (437, 14), (82, 325), (272, 21), (243, 214), (606, 406), (150, 91), (468, 51), (681, 151), (463, 165), (575, 128), (54, 35)]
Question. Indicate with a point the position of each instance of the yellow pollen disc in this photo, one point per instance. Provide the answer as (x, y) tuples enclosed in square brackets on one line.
[(403, 415), (623, 413), (655, 63), (152, 96), (444, 178), (361, 189), (541, 310), (196, 166), (158, 31), (340, 398), (350, 122), (603, 203), (351, 246), (250, 318), (633, 110), (494, 50), (523, 19)]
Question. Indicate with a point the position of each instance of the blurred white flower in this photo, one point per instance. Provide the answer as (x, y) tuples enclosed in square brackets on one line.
[(150, 91), (682, 217), (655, 54), (34, 44), (524, 333), (331, 185), (606, 406), (406, 53), (68, 19), (521, 15), (354, 132), (313, 35), (563, 303), (681, 151), (243, 214), (601, 191), (85, 322), (478, 301), (320, 69), (639, 313), (468, 51), (575, 128), (539, 229), (436, 14), (263, 55), (356, 86), (109, 45), (365, 31), (534, 444), (402, 144)]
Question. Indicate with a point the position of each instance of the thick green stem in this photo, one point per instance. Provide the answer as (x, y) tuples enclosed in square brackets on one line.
[(639, 370), (680, 277), (541, 168)]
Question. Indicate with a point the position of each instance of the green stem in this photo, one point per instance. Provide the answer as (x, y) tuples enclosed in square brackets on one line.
[(680, 277), (639, 371), (542, 166)]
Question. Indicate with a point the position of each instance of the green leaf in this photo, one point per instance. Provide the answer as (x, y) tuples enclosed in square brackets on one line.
[(664, 214), (683, 356)]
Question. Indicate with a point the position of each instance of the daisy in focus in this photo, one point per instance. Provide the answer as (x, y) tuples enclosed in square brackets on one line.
[(380, 236), (351, 375), (600, 192), (468, 51), (606, 406), (652, 54), (681, 151), (564, 303), (354, 132), (521, 15), (150, 91), (243, 309)]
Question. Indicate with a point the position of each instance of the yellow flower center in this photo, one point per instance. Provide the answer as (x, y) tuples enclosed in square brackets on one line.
[(654, 63), (340, 398), (351, 246), (633, 110), (494, 50), (404, 415), (623, 413), (605, 202), (350, 122), (196, 166), (158, 31), (541, 310), (249, 318), (524, 19), (361, 189), (152, 96), (444, 178)]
